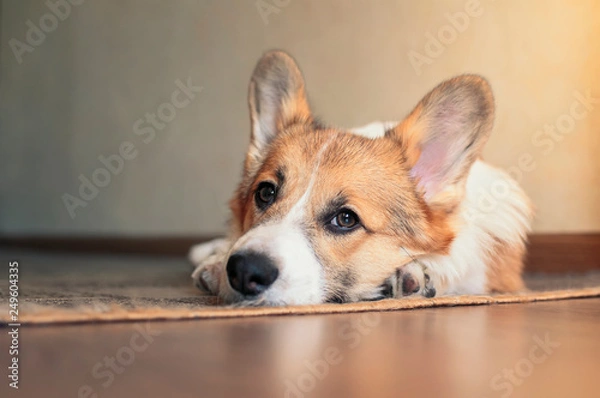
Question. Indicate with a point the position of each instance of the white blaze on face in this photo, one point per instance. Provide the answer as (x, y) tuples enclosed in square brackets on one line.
[(301, 279)]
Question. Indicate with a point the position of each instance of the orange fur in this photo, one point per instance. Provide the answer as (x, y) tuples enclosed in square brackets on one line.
[(505, 267)]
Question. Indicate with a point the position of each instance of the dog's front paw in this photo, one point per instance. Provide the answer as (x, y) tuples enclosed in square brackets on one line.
[(409, 280), (208, 258), (203, 252), (207, 277)]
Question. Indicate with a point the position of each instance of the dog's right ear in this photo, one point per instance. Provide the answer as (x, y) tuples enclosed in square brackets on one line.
[(277, 99)]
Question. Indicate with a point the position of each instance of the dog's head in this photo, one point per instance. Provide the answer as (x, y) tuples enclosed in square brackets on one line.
[(324, 215)]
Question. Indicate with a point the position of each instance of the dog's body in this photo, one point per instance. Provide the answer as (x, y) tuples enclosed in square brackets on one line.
[(388, 210)]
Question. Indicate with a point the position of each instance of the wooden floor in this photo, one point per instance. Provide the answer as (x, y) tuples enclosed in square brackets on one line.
[(549, 349)]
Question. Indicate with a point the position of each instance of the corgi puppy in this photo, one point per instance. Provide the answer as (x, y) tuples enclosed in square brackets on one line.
[(324, 214)]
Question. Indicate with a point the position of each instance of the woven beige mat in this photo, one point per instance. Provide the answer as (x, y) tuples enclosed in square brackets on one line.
[(69, 289)]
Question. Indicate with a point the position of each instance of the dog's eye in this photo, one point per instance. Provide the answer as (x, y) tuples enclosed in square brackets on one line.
[(265, 195), (345, 220)]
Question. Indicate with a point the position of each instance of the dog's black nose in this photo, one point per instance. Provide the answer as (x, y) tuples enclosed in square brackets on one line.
[(251, 273)]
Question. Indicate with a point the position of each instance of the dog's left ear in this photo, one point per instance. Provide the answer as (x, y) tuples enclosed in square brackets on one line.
[(444, 135), (276, 97)]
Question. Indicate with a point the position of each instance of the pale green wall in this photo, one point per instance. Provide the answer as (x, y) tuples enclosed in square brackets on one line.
[(79, 93)]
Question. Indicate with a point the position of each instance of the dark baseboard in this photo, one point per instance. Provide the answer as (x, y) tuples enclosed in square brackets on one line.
[(546, 252), (563, 252), (155, 246)]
